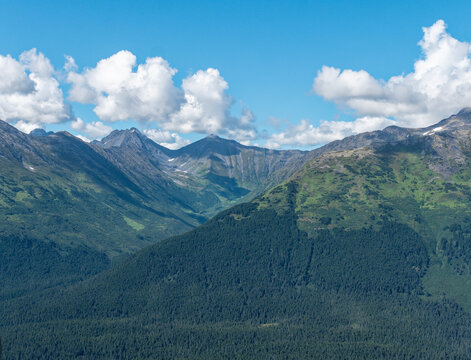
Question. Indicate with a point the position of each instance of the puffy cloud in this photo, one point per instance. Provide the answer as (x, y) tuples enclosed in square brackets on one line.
[(26, 126), (207, 109), (14, 77), (206, 104), (333, 84), (305, 134), (95, 129), (166, 138), (439, 85), (29, 92), (120, 93)]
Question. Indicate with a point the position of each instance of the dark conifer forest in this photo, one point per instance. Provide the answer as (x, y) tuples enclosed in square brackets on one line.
[(362, 253)]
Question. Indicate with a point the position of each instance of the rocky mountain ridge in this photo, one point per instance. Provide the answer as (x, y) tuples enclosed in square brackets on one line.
[(126, 182), (364, 252), (443, 141), (120, 194)]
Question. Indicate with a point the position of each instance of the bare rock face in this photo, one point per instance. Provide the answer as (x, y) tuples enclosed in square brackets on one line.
[(219, 169)]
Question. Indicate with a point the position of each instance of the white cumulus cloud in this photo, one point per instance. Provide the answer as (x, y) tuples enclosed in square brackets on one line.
[(166, 138), (95, 129), (439, 85), (30, 96), (306, 134), (27, 126), (207, 108), (121, 90)]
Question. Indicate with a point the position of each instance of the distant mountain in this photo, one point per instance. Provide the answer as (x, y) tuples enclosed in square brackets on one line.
[(363, 253), (117, 195), (41, 132), (446, 148), (220, 172), (59, 188)]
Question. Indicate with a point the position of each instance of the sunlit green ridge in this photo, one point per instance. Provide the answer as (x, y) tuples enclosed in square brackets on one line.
[(362, 253)]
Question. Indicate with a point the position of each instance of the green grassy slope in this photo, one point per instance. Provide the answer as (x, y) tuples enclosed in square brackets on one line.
[(346, 260), (363, 188), (117, 199), (363, 253), (73, 208), (66, 195)]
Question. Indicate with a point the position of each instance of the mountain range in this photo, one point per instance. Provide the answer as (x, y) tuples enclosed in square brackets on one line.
[(87, 205), (358, 249), (125, 191)]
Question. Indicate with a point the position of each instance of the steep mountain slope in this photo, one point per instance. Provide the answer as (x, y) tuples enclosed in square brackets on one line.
[(61, 196), (208, 175), (363, 253), (126, 182), (80, 196), (65, 211), (423, 181)]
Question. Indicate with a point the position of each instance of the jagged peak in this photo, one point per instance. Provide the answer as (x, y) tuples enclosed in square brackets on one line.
[(130, 137), (211, 144), (122, 137), (118, 132)]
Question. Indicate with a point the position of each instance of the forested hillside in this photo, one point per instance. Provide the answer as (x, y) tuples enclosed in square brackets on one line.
[(363, 253), (63, 199)]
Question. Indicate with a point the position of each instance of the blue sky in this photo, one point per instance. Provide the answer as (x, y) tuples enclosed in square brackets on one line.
[(268, 54)]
